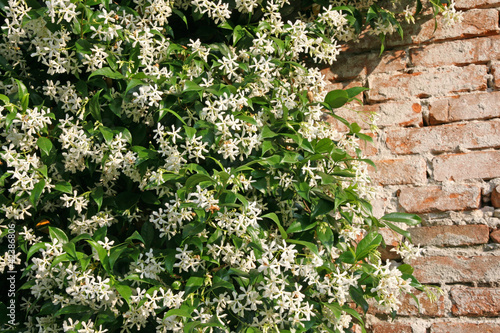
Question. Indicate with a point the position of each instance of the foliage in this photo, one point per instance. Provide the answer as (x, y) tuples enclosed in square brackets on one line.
[(168, 167)]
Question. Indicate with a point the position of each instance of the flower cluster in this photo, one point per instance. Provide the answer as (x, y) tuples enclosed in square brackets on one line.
[(169, 168)]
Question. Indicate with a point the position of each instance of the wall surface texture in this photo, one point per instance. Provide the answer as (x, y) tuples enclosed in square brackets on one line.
[(437, 153)]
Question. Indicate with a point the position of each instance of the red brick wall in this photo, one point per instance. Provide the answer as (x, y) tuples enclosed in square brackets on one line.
[(438, 155)]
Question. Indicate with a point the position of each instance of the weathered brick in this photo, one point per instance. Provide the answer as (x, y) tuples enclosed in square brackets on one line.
[(444, 138), (433, 198), (446, 327), (495, 197), (409, 307), (495, 236), (369, 148), (468, 4), (386, 327), (399, 171), (402, 114), (390, 237), (468, 301), (476, 22), (472, 165), (465, 107), (450, 235), (434, 82), (345, 85), (458, 52), (495, 70), (457, 269), (397, 113), (349, 66)]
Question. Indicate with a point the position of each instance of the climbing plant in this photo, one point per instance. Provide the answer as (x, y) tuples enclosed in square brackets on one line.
[(166, 166)]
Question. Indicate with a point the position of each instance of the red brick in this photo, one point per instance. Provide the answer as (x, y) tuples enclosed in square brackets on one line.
[(369, 148), (465, 328), (444, 138), (458, 52), (409, 307), (468, 301), (495, 70), (399, 171), (433, 198), (345, 85), (495, 197), (450, 235), (465, 107), (401, 114), (468, 4), (457, 269), (390, 237), (495, 236), (433, 82), (349, 66), (472, 165), (476, 22), (391, 328)]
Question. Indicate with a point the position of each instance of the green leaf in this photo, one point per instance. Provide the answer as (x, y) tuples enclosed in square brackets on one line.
[(355, 91), (69, 309), (267, 133), (276, 220), (95, 106), (22, 91), (97, 195), (107, 133), (303, 189), (135, 236), (191, 86), (34, 249), (322, 207), (165, 111), (397, 229), (325, 235), (56, 233), (193, 284), (300, 225), (107, 72), (9, 119), (347, 257), (124, 290), (312, 247), (336, 98), (181, 15), (64, 187), (406, 269), (133, 83), (196, 179), (44, 144), (409, 219), (70, 249), (324, 146), (148, 232), (357, 296), (170, 260), (368, 244), (182, 312), (37, 192), (100, 233)]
